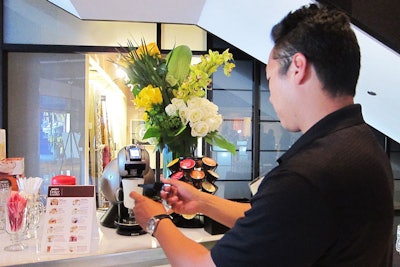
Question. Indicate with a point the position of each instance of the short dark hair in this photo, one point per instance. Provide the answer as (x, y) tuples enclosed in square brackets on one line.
[(325, 37)]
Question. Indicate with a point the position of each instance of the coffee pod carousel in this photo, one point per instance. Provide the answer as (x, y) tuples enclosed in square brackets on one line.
[(199, 172)]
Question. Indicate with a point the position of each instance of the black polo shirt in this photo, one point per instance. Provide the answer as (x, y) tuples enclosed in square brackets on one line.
[(329, 202)]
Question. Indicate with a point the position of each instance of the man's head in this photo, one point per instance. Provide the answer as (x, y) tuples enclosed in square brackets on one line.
[(314, 66), (327, 41)]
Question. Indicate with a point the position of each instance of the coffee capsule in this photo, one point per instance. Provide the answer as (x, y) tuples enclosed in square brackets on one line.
[(173, 165), (209, 163), (209, 187), (187, 164), (197, 178), (212, 176), (189, 216), (177, 175)]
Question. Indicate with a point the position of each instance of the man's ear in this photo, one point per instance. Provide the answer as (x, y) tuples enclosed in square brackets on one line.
[(299, 64)]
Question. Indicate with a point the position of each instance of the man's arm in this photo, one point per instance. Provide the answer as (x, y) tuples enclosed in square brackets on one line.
[(180, 250), (222, 210), (185, 199)]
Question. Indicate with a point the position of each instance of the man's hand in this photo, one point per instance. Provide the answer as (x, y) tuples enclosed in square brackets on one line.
[(182, 197), (145, 208)]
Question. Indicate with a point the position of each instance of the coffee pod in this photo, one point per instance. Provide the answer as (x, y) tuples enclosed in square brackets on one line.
[(209, 163), (187, 164), (208, 187), (173, 165), (197, 177), (177, 175), (212, 176), (188, 216)]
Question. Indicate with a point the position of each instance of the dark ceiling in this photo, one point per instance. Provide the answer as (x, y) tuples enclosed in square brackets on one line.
[(379, 18)]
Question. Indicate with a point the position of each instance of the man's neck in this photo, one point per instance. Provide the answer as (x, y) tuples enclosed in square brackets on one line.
[(324, 108)]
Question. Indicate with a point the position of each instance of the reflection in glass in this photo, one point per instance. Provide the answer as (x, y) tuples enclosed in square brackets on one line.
[(47, 115), (234, 97)]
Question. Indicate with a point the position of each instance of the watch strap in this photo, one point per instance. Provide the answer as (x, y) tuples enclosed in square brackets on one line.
[(162, 216)]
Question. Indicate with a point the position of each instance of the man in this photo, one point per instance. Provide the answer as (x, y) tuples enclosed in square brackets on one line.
[(329, 202)]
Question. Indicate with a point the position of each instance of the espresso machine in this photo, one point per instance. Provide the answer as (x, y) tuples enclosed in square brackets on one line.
[(132, 162)]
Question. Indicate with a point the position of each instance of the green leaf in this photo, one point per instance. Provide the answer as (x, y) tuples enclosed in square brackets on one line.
[(180, 130), (178, 62), (217, 139), (152, 132), (136, 90)]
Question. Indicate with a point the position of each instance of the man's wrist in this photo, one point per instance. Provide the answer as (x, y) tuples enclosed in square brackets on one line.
[(152, 224)]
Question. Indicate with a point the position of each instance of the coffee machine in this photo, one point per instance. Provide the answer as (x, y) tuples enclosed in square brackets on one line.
[(132, 162)]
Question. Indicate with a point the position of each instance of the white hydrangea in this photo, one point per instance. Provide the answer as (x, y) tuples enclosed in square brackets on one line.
[(178, 103), (212, 108), (195, 101), (201, 114), (183, 115), (171, 110), (194, 114), (199, 129), (214, 122)]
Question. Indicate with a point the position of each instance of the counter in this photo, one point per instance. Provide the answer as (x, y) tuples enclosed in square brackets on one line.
[(109, 249)]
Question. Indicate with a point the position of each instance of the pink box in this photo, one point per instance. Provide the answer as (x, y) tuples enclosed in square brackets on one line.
[(12, 166)]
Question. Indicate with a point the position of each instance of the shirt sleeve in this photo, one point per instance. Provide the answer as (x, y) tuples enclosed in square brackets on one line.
[(287, 225)]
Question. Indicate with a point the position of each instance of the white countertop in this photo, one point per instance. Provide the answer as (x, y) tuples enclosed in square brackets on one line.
[(109, 249)]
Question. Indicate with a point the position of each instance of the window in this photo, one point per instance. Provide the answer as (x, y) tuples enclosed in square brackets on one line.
[(234, 95), (46, 113), (274, 139)]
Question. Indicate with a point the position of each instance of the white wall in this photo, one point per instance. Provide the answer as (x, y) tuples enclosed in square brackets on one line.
[(244, 24), (40, 22), (379, 74)]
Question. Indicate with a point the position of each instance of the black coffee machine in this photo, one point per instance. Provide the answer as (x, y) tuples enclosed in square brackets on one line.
[(132, 162)]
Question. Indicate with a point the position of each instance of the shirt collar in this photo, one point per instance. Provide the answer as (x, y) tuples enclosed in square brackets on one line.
[(339, 119)]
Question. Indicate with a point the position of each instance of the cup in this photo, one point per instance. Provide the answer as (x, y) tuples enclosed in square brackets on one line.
[(35, 209), (5, 189), (16, 218), (129, 185)]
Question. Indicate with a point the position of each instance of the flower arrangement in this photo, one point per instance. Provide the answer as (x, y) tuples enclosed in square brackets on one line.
[(172, 91)]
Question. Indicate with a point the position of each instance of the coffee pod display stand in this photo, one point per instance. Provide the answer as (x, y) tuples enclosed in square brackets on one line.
[(199, 172)]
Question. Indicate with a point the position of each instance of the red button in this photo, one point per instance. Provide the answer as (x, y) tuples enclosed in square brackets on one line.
[(63, 180)]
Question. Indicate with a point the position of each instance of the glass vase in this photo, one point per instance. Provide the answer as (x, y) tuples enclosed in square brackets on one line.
[(15, 227), (167, 157), (5, 190)]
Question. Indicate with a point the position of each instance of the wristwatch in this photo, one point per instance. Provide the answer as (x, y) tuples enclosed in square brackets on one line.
[(153, 222)]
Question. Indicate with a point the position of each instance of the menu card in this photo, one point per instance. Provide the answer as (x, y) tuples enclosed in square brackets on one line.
[(70, 219)]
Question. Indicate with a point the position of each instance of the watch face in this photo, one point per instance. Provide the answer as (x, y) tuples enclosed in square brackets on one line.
[(151, 225), (153, 222)]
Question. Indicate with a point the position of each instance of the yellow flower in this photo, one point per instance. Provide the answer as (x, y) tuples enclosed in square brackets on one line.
[(148, 97), (145, 116), (228, 68), (150, 49), (171, 93)]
